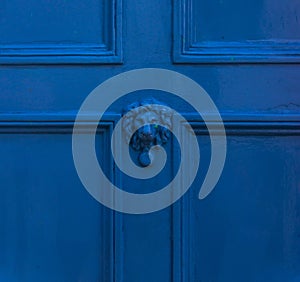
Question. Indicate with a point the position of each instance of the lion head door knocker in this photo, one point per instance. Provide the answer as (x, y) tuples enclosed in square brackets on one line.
[(143, 116)]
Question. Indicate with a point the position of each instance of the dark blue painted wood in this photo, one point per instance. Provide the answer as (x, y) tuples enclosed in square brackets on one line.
[(236, 32), (247, 230), (51, 229), (61, 32)]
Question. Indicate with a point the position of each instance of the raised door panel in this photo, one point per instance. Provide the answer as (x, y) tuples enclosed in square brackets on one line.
[(35, 32), (234, 31)]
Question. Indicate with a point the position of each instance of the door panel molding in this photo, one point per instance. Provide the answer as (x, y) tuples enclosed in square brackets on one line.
[(109, 51), (37, 124), (185, 50), (235, 124), (183, 218)]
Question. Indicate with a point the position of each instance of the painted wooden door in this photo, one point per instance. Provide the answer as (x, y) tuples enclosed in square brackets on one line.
[(245, 54)]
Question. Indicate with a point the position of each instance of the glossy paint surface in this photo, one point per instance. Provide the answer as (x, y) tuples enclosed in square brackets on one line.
[(248, 229)]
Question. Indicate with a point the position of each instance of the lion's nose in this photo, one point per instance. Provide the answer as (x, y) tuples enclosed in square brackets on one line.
[(147, 131)]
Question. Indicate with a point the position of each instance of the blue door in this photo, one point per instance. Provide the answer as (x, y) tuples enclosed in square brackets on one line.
[(244, 57)]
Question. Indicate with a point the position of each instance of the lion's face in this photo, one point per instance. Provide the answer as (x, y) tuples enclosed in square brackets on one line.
[(146, 134), (147, 119)]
